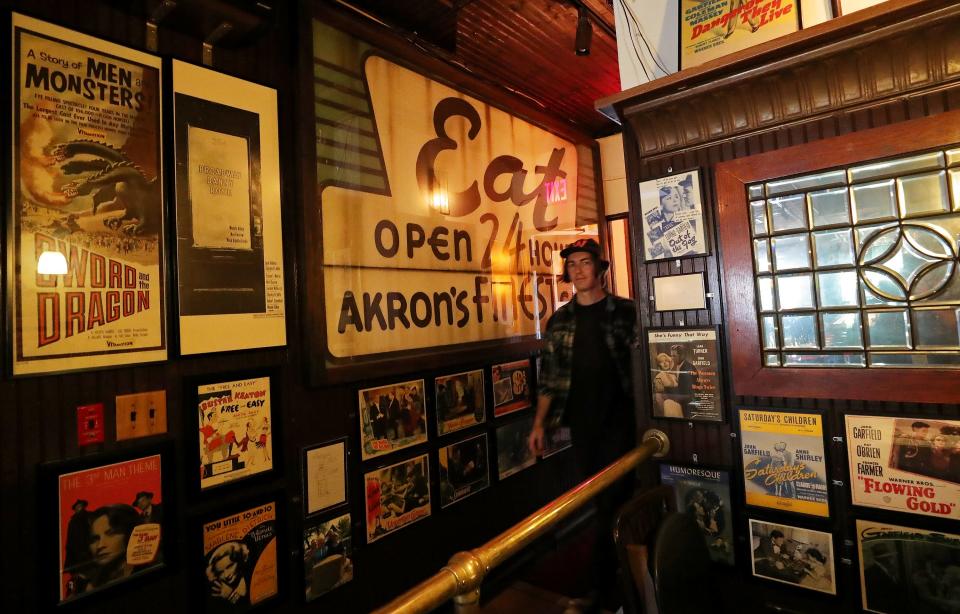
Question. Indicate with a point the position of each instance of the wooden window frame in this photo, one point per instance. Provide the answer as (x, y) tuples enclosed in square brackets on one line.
[(750, 377)]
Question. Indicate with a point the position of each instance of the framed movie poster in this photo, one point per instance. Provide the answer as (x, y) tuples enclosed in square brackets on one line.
[(556, 440), (672, 217), (464, 469), (141, 414), (905, 464), (229, 243), (397, 495), (908, 570), (704, 494), (240, 563), (513, 453), (793, 555), (511, 387), (460, 401), (784, 464), (392, 417), (324, 476), (87, 191), (106, 521), (235, 430), (710, 29), (685, 373), (327, 556)]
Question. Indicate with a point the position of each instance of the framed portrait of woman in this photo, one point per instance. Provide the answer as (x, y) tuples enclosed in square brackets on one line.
[(685, 373), (672, 217), (105, 520)]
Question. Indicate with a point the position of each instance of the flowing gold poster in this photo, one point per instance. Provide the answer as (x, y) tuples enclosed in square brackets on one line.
[(87, 202)]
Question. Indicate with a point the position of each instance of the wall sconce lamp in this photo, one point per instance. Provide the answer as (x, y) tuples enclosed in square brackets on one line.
[(52, 263), (584, 32)]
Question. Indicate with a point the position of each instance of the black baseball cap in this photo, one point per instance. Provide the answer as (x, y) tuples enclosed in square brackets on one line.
[(584, 245)]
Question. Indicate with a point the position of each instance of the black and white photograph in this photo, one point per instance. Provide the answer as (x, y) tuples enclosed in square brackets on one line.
[(672, 214)]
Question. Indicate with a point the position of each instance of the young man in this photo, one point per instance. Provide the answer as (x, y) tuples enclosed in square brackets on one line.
[(586, 384)]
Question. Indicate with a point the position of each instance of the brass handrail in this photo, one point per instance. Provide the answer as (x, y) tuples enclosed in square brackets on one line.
[(464, 573)]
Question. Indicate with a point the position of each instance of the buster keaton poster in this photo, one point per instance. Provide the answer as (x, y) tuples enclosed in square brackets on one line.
[(87, 188)]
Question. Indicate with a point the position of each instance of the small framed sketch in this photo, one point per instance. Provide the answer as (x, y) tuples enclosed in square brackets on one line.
[(327, 556), (324, 476), (793, 555), (397, 495), (685, 373), (235, 428), (464, 469), (392, 417), (460, 401), (241, 562), (679, 292), (672, 217), (511, 387), (107, 520)]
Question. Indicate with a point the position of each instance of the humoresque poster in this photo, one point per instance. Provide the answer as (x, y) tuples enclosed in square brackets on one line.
[(908, 570), (240, 552), (433, 206), (905, 464), (236, 439), (110, 525), (784, 466), (87, 183), (685, 374), (229, 245), (704, 494)]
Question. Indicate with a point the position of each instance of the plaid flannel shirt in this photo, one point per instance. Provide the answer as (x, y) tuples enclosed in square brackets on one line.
[(620, 333)]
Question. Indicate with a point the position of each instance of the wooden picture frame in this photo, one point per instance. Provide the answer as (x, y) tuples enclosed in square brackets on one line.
[(750, 377), (129, 491)]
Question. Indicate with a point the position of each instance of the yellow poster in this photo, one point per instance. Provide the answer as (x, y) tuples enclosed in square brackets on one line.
[(87, 200), (462, 245), (240, 552), (710, 29)]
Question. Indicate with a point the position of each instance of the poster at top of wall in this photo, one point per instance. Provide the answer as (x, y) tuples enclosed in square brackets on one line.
[(435, 208), (710, 29), (229, 245), (784, 466), (905, 464), (87, 195)]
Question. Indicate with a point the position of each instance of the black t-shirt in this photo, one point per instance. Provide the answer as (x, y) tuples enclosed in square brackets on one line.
[(596, 402)]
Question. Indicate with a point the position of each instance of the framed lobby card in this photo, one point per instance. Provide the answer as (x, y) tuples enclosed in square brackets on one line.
[(793, 555), (392, 417), (397, 495), (513, 453), (229, 243), (460, 401), (87, 190), (685, 373), (464, 469), (903, 464), (240, 564), (784, 462), (511, 387), (903, 569), (324, 476), (679, 292), (556, 439), (106, 520), (236, 430), (704, 494), (672, 217), (327, 555), (710, 29)]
